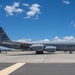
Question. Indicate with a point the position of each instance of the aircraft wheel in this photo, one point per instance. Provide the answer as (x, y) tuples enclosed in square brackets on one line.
[(65, 51), (70, 52), (39, 52)]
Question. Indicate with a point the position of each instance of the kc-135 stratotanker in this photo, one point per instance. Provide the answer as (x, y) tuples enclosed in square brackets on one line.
[(39, 47)]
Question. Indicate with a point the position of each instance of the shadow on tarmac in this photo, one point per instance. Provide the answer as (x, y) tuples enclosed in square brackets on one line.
[(22, 54), (45, 53)]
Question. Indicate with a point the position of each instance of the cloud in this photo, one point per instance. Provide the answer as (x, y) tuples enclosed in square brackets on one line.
[(55, 39), (37, 17), (10, 10), (23, 40), (69, 38), (45, 40), (64, 39), (66, 2), (29, 40), (24, 4), (34, 11), (73, 24)]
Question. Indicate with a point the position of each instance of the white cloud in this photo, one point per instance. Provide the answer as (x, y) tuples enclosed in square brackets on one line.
[(24, 40), (37, 17), (69, 38), (45, 40), (29, 40), (13, 9), (55, 39), (64, 39), (73, 24), (25, 4), (34, 10), (66, 2)]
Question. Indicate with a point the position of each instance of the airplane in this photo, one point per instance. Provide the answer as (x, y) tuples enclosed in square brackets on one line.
[(38, 47)]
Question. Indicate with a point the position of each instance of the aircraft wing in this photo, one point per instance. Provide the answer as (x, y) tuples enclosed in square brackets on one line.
[(38, 47), (16, 45)]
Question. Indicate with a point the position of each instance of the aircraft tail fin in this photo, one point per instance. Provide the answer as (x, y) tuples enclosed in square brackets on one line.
[(3, 36)]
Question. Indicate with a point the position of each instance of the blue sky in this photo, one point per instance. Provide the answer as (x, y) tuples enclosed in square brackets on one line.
[(38, 19)]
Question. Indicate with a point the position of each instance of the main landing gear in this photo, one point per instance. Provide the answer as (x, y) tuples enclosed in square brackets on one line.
[(39, 52), (70, 51)]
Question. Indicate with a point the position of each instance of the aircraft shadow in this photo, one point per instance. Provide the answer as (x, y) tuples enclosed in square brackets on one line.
[(20, 54), (45, 53)]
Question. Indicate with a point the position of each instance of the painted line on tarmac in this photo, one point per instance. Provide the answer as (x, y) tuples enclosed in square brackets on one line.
[(10, 69)]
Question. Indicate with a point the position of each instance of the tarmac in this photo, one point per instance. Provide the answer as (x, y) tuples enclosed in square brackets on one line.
[(29, 63), (32, 57)]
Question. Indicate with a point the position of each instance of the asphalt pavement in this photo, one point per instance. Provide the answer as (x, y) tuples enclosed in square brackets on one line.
[(28, 63), (46, 69)]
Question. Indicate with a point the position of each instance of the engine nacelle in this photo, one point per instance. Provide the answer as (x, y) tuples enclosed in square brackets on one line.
[(37, 47), (50, 48)]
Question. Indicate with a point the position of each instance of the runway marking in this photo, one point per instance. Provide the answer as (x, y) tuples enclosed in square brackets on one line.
[(10, 69)]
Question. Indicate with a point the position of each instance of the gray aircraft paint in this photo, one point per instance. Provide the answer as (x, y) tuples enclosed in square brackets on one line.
[(39, 47)]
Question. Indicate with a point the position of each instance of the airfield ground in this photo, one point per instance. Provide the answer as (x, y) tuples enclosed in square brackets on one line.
[(29, 63), (31, 57)]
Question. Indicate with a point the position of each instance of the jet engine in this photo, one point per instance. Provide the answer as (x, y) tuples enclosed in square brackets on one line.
[(50, 48), (37, 47)]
